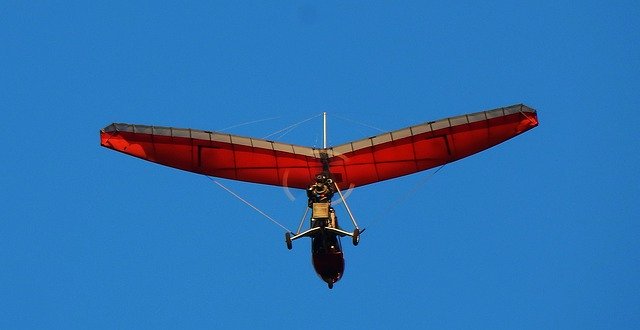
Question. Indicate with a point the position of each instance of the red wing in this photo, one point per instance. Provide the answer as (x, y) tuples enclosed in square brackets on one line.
[(358, 163), (216, 154), (425, 146)]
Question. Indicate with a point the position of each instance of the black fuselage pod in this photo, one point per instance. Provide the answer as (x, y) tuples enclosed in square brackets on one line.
[(327, 257)]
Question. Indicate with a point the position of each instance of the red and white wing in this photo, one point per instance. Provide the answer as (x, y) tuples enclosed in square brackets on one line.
[(354, 164)]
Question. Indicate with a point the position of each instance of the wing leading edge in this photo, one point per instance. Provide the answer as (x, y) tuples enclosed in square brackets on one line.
[(353, 164)]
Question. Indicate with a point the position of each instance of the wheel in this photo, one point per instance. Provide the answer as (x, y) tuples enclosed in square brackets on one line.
[(330, 285), (356, 237), (287, 238)]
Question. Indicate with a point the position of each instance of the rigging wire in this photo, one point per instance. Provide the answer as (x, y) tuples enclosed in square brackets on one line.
[(249, 204), (248, 123), (359, 123), (291, 127), (406, 195)]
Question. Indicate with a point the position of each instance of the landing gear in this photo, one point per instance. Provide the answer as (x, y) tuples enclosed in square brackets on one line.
[(330, 285), (356, 236), (287, 238)]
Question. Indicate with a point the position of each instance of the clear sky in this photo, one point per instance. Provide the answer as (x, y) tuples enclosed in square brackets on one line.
[(539, 232)]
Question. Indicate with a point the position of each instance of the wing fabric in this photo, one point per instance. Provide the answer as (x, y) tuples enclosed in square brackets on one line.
[(353, 164), (428, 145), (216, 154)]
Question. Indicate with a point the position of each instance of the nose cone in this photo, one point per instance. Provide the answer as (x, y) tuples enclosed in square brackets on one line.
[(329, 266)]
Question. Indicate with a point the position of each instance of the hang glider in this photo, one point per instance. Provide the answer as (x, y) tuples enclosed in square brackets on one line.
[(358, 163), (322, 171)]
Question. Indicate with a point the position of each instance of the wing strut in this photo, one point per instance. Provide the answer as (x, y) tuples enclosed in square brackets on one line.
[(306, 211), (346, 206)]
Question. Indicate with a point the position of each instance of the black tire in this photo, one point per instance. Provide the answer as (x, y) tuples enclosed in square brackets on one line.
[(330, 285), (356, 237), (287, 238)]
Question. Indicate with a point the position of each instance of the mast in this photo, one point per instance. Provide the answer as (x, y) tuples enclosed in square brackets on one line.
[(324, 130), (324, 158)]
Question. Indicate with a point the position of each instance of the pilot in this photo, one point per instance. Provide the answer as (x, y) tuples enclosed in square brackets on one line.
[(320, 191)]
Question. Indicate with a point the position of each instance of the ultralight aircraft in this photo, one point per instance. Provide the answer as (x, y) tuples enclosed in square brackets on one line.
[(322, 172)]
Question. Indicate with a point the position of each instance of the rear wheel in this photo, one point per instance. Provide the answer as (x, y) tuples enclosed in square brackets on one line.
[(287, 238), (356, 236)]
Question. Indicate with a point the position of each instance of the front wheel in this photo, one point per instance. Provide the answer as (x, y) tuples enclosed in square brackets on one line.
[(287, 238), (356, 236)]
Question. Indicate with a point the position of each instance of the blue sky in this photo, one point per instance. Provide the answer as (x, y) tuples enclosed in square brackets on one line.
[(539, 232)]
